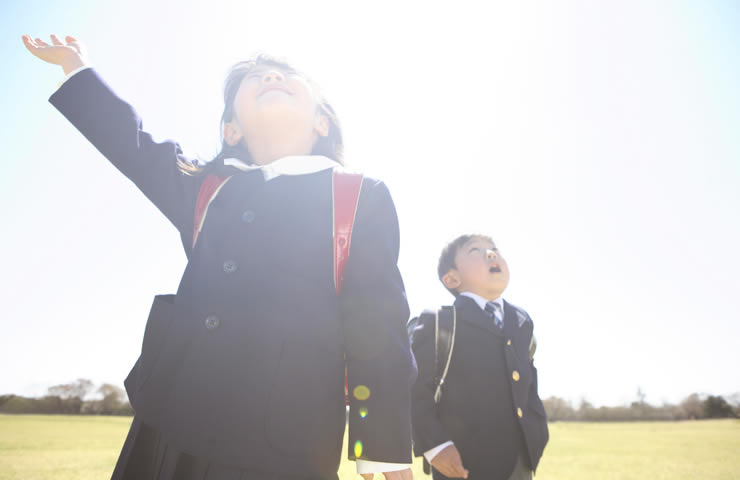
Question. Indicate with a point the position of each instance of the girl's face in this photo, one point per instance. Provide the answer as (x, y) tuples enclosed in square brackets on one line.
[(278, 105)]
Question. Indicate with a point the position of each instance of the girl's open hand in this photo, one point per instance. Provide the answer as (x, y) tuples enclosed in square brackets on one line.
[(69, 55)]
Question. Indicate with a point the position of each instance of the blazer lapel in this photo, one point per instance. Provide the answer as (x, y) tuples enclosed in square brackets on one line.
[(513, 320), (470, 312)]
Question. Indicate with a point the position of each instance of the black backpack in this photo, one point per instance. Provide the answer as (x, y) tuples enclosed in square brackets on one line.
[(445, 325)]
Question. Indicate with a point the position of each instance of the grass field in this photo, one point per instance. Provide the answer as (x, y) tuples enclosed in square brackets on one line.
[(84, 447)]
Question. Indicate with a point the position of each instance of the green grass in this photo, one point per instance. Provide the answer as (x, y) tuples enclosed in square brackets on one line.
[(708, 449), (35, 447), (86, 447)]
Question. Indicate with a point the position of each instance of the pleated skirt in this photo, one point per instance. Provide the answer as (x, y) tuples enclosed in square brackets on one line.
[(146, 455)]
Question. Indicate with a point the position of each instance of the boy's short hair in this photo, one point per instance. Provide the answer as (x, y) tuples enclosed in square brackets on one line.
[(447, 258)]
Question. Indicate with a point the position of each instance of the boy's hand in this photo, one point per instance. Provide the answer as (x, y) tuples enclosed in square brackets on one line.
[(449, 463), (399, 475), (69, 56)]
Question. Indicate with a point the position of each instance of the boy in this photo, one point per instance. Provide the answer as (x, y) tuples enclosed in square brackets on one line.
[(489, 422)]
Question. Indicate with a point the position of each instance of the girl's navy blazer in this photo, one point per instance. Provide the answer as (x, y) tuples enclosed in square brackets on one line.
[(247, 361)]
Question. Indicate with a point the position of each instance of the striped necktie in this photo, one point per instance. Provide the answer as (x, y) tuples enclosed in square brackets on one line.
[(493, 310)]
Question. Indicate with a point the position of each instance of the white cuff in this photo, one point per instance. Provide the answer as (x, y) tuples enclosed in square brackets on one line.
[(73, 73), (366, 466), (432, 452)]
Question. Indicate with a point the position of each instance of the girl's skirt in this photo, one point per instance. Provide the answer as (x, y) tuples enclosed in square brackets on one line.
[(146, 455)]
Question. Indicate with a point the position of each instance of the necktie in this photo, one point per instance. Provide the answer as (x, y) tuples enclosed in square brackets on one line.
[(493, 310)]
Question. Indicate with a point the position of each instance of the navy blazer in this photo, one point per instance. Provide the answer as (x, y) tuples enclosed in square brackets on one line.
[(491, 423), (245, 364)]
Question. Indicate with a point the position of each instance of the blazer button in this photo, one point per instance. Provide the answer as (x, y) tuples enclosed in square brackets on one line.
[(212, 322), (515, 375), (248, 216), (519, 412), (229, 266)]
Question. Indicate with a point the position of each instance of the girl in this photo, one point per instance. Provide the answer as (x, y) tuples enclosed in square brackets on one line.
[(241, 372)]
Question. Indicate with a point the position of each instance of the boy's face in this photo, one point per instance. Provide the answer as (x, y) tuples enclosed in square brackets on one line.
[(480, 269)]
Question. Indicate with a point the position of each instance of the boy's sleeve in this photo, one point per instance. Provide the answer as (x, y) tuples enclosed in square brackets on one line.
[(534, 387), (427, 429), (374, 310), (115, 129)]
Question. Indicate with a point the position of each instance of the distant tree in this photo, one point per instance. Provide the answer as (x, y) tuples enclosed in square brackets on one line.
[(585, 410), (71, 395), (640, 396), (717, 407), (80, 388), (734, 401), (5, 398), (693, 407), (48, 404), (558, 409), (16, 404), (113, 399)]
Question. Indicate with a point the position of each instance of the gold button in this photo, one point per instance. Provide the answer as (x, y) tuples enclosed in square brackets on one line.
[(519, 412), (515, 375), (508, 342)]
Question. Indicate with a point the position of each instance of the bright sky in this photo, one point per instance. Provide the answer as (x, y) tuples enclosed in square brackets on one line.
[(597, 142)]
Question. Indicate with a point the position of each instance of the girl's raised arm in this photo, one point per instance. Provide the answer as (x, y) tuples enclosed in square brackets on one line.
[(115, 129)]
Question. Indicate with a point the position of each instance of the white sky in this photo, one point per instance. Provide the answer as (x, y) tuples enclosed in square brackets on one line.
[(597, 143)]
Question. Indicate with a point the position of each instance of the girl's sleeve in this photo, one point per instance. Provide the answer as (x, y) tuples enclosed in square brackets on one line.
[(374, 309), (115, 129)]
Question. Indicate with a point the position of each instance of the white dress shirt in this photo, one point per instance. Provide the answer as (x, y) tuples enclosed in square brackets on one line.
[(288, 165), (72, 73), (481, 301)]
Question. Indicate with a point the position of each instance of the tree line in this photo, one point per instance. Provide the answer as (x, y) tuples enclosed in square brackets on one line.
[(81, 397), (693, 407)]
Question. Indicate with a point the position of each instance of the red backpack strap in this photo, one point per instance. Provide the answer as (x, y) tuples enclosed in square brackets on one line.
[(345, 195), (208, 191)]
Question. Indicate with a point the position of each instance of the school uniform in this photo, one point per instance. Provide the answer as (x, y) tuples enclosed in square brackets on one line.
[(243, 369), (489, 408)]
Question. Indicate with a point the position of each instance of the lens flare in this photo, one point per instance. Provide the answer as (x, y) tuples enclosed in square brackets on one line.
[(358, 448), (363, 412), (361, 392)]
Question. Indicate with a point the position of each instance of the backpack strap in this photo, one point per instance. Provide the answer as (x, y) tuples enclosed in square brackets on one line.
[(345, 193), (445, 326), (208, 190), (345, 196)]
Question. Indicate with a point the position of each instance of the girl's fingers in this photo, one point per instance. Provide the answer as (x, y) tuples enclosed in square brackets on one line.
[(41, 43), (55, 40), (70, 39), (29, 45)]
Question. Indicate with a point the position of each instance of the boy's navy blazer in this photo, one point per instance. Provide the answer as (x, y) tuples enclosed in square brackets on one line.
[(469, 411), (245, 364)]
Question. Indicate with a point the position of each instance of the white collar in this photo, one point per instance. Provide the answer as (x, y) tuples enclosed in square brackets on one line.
[(290, 165), (481, 301)]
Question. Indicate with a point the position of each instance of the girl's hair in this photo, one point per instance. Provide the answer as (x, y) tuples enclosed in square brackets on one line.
[(330, 146)]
